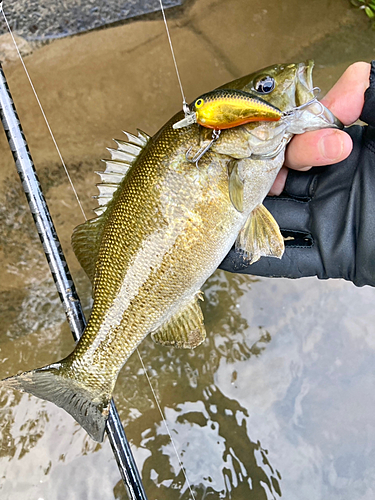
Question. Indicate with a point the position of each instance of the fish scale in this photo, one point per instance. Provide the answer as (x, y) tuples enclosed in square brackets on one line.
[(124, 239), (162, 229)]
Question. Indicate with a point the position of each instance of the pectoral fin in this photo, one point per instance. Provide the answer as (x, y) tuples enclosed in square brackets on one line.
[(184, 330), (236, 185), (260, 236)]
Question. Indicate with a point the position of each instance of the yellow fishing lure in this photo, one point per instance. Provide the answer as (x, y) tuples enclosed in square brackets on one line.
[(227, 108)]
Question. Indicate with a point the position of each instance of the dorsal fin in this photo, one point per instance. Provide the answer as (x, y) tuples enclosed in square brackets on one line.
[(86, 238), (117, 167)]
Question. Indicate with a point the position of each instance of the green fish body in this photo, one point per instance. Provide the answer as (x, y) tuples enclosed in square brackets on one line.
[(163, 227)]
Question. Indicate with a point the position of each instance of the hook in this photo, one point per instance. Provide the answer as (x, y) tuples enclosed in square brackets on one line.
[(316, 91), (195, 159), (272, 154)]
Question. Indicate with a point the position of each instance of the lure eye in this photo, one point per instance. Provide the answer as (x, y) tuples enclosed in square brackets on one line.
[(199, 103), (264, 84)]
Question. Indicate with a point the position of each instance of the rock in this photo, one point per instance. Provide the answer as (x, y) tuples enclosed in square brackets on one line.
[(8, 51)]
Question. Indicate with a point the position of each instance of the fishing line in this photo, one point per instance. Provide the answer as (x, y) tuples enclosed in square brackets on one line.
[(42, 111), (84, 215), (166, 426), (185, 106)]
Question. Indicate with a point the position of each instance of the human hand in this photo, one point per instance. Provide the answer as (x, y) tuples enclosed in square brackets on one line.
[(326, 214), (327, 146)]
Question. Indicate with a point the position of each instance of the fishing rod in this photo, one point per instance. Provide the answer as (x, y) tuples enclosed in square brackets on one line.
[(77, 322), (61, 275)]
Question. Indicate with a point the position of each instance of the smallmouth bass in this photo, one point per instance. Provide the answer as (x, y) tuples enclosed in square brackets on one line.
[(162, 228)]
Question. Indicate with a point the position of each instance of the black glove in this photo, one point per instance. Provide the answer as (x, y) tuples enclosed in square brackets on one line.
[(327, 215)]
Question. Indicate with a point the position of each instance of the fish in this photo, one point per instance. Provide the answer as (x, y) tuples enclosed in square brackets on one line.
[(228, 108), (161, 229)]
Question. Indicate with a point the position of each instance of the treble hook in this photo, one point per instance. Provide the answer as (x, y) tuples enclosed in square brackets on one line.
[(195, 159)]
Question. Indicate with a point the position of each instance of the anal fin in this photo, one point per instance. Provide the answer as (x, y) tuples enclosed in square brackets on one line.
[(260, 236), (185, 329)]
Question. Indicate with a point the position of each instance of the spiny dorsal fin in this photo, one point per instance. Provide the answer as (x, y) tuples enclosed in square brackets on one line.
[(185, 329), (260, 236), (86, 238), (110, 177), (117, 167), (128, 147)]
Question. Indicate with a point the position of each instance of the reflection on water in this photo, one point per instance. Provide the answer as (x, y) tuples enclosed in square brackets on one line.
[(221, 459), (209, 427), (278, 402), (229, 464)]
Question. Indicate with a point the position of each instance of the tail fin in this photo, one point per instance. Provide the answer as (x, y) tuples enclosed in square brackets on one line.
[(88, 407)]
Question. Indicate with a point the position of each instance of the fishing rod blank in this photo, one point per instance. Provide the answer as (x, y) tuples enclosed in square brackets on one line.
[(61, 275)]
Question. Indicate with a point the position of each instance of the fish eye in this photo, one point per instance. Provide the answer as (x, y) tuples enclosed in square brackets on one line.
[(199, 103), (264, 84)]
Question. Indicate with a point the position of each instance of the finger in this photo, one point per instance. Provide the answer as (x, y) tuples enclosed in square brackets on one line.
[(322, 147), (346, 97)]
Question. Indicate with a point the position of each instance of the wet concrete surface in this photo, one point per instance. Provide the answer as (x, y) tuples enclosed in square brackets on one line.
[(281, 392)]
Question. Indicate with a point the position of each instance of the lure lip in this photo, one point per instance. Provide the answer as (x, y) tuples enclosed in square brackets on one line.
[(189, 119)]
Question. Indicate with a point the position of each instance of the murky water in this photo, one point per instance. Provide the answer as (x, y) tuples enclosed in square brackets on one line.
[(279, 400)]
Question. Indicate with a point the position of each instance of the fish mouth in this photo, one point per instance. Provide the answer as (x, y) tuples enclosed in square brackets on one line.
[(304, 82), (305, 93)]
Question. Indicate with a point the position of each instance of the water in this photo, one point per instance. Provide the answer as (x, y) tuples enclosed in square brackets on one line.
[(279, 399)]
